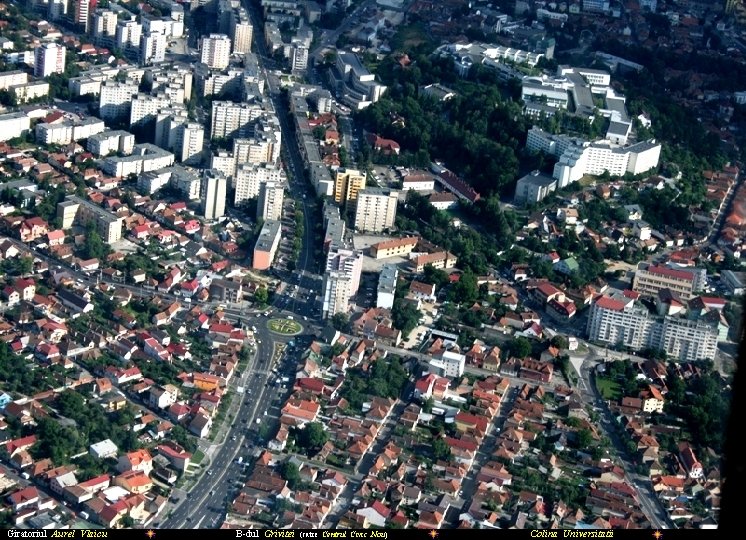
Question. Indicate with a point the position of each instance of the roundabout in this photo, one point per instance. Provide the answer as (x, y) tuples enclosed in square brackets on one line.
[(285, 327)]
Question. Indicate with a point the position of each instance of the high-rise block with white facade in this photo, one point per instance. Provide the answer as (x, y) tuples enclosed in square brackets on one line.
[(215, 189), (48, 59), (115, 99), (145, 107), (215, 51), (249, 178), (271, 196), (299, 58), (189, 141), (128, 34), (152, 48), (82, 14), (341, 280), (376, 209), (230, 120), (105, 23), (242, 31)]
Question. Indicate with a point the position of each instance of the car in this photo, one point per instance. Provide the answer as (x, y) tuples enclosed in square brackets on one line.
[(209, 472)]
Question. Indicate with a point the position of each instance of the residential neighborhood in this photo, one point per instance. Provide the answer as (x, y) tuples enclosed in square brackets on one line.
[(369, 264)]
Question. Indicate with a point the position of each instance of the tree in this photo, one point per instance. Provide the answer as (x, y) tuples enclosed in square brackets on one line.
[(435, 276), (341, 322), (585, 438), (405, 316), (559, 341), (313, 436), (465, 290), (289, 471), (261, 295), (441, 450), (519, 347)]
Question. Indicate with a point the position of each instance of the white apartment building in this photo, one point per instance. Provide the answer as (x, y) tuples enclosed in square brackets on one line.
[(67, 131), (252, 151), (190, 137), (226, 164), (12, 78), (145, 107), (13, 125), (145, 157), (618, 320), (74, 210), (299, 58), (242, 31), (115, 98), (30, 90), (104, 24), (215, 187), (249, 178), (215, 51), (82, 13), (181, 179), (448, 364), (376, 209), (57, 9), (230, 120), (48, 59), (128, 34), (152, 48), (106, 142), (386, 291), (271, 197), (341, 280)]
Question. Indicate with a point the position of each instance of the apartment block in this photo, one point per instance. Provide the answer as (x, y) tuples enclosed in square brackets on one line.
[(271, 197), (620, 320), (152, 48), (215, 190), (253, 151), (113, 141), (650, 280), (49, 59), (68, 131), (387, 281), (76, 211), (231, 120), (115, 98), (24, 93), (12, 78), (13, 125), (341, 280), (533, 187), (128, 34), (266, 245), (242, 31), (347, 184), (376, 209), (215, 51), (249, 179), (145, 107), (104, 24), (145, 157)]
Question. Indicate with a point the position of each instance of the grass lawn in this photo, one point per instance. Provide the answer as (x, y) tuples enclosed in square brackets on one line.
[(198, 457), (609, 389), (409, 36), (284, 326)]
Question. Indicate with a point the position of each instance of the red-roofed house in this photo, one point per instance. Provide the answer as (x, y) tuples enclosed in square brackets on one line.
[(139, 460), (377, 514)]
